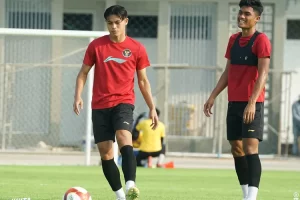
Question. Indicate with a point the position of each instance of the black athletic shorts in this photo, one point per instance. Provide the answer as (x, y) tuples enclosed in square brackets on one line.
[(144, 155), (107, 121), (237, 129)]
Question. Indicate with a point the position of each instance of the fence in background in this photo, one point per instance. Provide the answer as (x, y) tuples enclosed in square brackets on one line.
[(38, 70), (190, 132), (37, 79), (37, 106)]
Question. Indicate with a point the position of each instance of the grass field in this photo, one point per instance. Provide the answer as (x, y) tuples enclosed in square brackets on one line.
[(50, 183)]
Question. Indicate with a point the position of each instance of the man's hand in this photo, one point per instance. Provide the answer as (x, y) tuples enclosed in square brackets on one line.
[(207, 107), (153, 116), (78, 105), (249, 113)]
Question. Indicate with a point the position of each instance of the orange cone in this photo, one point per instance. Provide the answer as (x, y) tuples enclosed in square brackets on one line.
[(169, 165)]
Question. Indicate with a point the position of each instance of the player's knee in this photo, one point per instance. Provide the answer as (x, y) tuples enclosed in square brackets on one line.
[(250, 146), (237, 150), (106, 150), (250, 149), (124, 138)]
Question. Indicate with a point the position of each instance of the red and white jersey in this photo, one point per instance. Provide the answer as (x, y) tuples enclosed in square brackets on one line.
[(242, 78), (115, 67)]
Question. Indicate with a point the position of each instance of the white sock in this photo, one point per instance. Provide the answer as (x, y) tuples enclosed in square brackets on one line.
[(245, 190), (129, 184), (161, 159), (120, 193), (252, 193)]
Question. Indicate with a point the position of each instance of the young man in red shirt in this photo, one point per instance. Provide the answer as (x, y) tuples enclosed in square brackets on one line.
[(116, 58), (248, 59)]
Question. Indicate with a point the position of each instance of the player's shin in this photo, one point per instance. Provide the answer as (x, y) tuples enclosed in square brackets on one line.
[(112, 174), (254, 165), (128, 166), (241, 168)]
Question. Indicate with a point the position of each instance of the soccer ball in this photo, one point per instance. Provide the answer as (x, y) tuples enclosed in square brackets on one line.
[(77, 193)]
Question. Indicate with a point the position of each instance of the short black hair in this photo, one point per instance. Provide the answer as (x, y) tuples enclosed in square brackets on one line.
[(158, 112), (116, 10), (255, 4)]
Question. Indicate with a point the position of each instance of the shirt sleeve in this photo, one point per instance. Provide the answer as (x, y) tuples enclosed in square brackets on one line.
[(229, 45), (263, 47), (142, 60), (90, 55)]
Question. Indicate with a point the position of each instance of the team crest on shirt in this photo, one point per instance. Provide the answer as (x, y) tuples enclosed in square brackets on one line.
[(126, 53)]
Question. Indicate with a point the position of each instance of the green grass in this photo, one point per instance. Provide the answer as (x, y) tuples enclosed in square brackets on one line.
[(50, 183)]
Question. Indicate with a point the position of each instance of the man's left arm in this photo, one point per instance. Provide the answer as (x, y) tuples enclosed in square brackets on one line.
[(144, 85), (145, 89), (263, 52), (263, 70)]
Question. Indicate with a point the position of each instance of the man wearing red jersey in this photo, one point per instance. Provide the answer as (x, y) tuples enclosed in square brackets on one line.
[(248, 59), (116, 58)]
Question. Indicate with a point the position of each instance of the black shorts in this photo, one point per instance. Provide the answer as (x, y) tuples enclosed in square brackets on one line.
[(144, 155), (107, 121), (237, 129)]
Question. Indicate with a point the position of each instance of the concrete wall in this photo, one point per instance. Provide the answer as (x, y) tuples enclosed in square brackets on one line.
[(292, 47), (291, 63), (212, 52)]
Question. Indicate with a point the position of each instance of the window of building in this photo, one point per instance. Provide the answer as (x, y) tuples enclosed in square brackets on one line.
[(29, 20), (191, 27), (78, 21), (142, 26), (293, 29)]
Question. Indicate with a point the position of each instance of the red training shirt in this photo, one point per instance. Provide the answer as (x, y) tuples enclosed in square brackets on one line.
[(242, 78), (115, 66)]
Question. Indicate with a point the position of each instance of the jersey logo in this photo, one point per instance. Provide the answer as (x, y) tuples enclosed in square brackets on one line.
[(126, 123), (118, 60), (126, 53)]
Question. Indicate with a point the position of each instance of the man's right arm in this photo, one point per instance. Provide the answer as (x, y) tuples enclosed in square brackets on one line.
[(80, 82), (81, 79), (222, 83), (88, 62)]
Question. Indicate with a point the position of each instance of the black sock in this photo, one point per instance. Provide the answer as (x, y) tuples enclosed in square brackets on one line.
[(241, 168), (112, 174), (128, 163), (254, 166)]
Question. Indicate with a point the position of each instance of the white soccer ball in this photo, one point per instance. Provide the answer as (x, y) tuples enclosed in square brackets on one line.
[(77, 193)]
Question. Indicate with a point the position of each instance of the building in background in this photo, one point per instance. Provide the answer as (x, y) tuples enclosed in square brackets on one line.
[(174, 33)]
